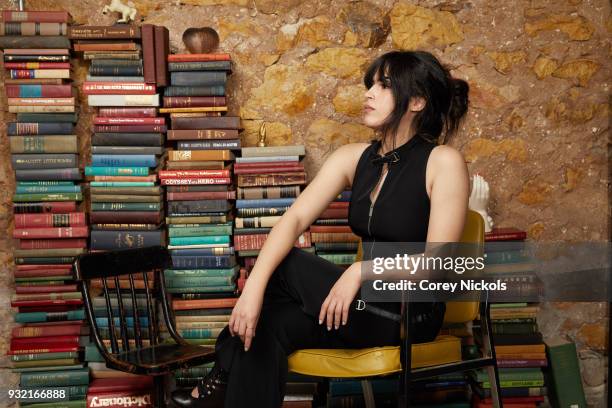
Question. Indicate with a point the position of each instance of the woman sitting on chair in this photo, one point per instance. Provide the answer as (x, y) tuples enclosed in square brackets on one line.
[(407, 186)]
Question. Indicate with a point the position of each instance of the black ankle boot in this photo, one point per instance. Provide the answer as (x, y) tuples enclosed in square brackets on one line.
[(211, 391)]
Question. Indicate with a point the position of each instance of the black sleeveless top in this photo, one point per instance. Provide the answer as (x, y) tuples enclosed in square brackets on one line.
[(400, 214)]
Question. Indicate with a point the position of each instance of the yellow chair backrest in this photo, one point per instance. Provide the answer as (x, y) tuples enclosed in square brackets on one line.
[(473, 232)]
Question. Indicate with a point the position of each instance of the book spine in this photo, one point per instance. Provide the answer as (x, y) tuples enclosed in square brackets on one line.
[(198, 78), (50, 207), (37, 58), (48, 174), (185, 102), (57, 232), (39, 73), (43, 144), (210, 145), (103, 32), (38, 91), (43, 161), (116, 171), (200, 66), (27, 129), (196, 134), (162, 49), (109, 240), (52, 243), (130, 128), (75, 219), (193, 173), (33, 28), (195, 90), (42, 109), (198, 57), (196, 181), (127, 112), (110, 160), (35, 16), (221, 122), (117, 88), (103, 70)]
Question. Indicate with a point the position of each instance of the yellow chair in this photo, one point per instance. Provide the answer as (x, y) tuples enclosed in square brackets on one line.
[(443, 355)]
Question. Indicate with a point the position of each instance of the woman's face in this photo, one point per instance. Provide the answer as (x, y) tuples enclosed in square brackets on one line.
[(379, 102)]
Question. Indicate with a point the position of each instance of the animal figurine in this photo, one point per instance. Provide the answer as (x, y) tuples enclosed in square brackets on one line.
[(128, 13), (262, 135), (479, 198)]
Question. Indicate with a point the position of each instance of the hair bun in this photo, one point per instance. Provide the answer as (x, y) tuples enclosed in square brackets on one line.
[(460, 88)]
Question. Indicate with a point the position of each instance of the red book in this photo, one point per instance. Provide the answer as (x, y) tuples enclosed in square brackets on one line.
[(201, 195), (61, 232), (35, 17), (175, 174), (121, 399), (129, 128), (334, 213), (195, 181), (50, 302), (46, 288), (50, 272), (104, 120), (47, 340), (41, 267), (54, 207), (43, 349), (505, 234), (338, 204), (270, 169), (118, 88), (162, 49), (102, 385), (41, 331), (128, 112), (204, 304), (330, 228), (147, 32), (49, 220), (250, 242), (198, 57), (52, 243)]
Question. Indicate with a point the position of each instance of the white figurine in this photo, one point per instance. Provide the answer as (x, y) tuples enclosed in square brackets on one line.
[(479, 199), (128, 13)]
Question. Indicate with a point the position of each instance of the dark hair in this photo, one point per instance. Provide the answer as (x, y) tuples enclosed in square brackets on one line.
[(419, 73)]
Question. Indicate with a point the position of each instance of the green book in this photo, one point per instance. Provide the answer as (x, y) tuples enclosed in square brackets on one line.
[(54, 378), (189, 282), (564, 375), (44, 356), (213, 239), (171, 274), (41, 364), (60, 404), (203, 289), (200, 231), (22, 198)]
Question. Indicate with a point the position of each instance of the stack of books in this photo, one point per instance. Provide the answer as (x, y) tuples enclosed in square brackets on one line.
[(331, 235), (128, 139), (519, 347), (48, 225), (269, 181), (200, 194)]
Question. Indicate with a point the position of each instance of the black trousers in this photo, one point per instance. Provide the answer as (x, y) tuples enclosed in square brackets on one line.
[(289, 322)]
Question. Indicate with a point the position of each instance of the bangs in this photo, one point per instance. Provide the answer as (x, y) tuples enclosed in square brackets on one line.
[(380, 66)]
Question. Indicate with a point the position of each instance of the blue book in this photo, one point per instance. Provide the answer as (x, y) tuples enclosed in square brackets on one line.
[(35, 317), (116, 171), (215, 239), (128, 160), (170, 274), (47, 189), (129, 321), (265, 202), (203, 261)]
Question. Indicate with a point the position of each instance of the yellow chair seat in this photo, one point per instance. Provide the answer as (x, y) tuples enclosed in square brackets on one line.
[(368, 362)]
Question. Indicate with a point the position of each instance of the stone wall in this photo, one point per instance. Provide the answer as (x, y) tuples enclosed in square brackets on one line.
[(536, 129)]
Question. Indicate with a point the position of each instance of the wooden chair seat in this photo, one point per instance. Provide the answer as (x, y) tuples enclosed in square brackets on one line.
[(161, 358)]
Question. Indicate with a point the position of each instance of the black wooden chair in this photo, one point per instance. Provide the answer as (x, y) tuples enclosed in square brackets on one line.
[(135, 297)]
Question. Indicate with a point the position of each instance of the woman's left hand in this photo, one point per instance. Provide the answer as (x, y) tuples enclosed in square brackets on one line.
[(335, 308)]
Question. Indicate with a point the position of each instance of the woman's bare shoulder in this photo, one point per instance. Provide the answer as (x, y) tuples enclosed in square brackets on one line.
[(347, 156)]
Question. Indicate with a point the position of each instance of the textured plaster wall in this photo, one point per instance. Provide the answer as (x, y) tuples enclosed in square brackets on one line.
[(536, 130)]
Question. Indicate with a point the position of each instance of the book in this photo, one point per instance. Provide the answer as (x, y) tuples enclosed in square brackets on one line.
[(44, 144), (564, 375), (198, 57), (84, 32), (148, 53), (123, 100), (162, 49), (33, 28)]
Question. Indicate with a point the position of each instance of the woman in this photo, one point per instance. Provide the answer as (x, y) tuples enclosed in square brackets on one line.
[(294, 299)]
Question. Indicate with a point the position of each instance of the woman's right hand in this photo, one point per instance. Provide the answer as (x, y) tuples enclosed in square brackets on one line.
[(245, 315)]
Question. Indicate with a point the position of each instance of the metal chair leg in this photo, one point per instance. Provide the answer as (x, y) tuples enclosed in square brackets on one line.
[(368, 394), (495, 388)]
